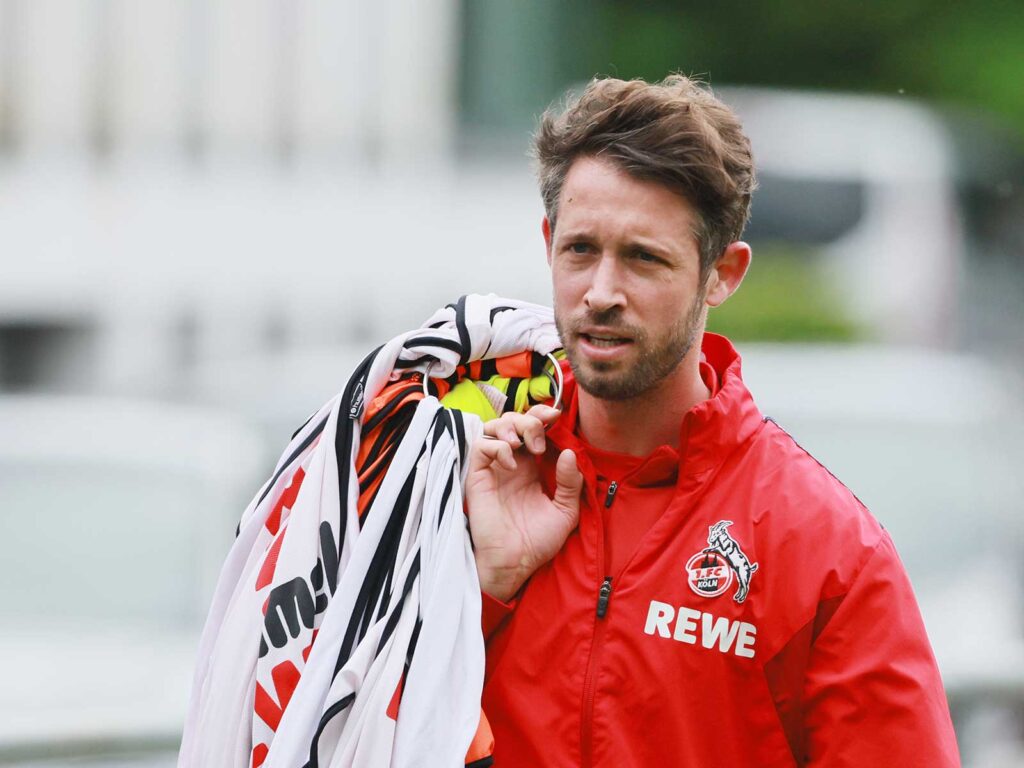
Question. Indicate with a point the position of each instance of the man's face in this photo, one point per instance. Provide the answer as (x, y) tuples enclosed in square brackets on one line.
[(625, 269)]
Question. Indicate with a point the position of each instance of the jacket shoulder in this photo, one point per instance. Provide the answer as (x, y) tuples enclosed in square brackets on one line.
[(806, 513)]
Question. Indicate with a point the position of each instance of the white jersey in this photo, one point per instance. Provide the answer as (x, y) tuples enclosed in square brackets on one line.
[(322, 620)]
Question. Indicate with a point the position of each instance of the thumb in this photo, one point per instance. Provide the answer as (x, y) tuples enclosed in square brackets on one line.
[(568, 484)]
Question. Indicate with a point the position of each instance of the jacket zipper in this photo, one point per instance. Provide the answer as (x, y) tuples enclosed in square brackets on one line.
[(604, 596), (610, 496)]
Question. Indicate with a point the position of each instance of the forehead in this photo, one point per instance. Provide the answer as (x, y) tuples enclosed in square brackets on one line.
[(598, 194)]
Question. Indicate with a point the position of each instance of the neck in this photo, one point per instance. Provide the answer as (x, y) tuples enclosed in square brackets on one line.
[(639, 425)]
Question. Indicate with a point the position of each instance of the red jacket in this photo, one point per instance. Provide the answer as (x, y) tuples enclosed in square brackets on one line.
[(760, 617)]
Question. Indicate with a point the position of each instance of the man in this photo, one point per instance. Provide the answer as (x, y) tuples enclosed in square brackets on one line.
[(668, 578)]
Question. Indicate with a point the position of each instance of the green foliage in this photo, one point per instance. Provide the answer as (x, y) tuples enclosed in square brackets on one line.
[(970, 52), (786, 296), (520, 56)]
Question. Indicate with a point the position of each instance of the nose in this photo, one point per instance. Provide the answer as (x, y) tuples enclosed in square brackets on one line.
[(605, 290)]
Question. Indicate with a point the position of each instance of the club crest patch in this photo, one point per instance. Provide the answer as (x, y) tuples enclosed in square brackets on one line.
[(712, 571)]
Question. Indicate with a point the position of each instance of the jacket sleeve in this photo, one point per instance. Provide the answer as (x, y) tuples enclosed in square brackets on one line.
[(493, 613), (873, 695)]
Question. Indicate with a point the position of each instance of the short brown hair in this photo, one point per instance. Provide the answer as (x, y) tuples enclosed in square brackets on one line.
[(675, 132)]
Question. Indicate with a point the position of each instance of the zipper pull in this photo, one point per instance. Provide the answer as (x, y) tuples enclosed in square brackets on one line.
[(610, 496), (603, 596)]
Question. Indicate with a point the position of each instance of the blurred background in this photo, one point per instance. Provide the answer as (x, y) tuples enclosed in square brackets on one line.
[(211, 209)]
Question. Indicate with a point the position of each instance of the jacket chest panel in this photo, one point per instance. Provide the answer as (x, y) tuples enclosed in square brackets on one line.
[(704, 542), (694, 586)]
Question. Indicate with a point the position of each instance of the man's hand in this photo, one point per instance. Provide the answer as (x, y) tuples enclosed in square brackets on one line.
[(516, 528)]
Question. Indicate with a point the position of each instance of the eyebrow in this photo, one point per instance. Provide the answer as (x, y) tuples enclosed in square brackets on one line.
[(574, 234), (653, 246)]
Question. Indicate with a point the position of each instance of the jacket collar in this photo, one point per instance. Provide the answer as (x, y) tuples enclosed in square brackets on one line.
[(709, 431)]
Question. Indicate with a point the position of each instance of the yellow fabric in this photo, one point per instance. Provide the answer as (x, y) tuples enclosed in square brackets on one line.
[(466, 396)]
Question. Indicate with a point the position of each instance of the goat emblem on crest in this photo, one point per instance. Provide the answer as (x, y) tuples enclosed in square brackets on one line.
[(711, 571)]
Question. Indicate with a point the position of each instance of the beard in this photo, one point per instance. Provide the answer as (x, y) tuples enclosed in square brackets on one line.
[(656, 360)]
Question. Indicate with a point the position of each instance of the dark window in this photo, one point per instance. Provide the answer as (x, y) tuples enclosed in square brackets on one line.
[(808, 211)]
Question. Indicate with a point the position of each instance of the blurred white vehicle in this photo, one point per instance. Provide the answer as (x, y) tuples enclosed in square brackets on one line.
[(872, 180), (116, 516), (916, 212)]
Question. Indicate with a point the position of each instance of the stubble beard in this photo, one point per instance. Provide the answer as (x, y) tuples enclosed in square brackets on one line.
[(653, 364)]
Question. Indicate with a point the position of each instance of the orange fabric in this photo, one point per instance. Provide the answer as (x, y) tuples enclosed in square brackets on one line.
[(483, 742), (373, 450), (518, 366)]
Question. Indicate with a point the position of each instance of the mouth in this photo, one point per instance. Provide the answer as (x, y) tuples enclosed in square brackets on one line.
[(604, 341)]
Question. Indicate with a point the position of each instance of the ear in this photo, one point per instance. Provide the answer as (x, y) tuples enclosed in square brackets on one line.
[(545, 228), (727, 273)]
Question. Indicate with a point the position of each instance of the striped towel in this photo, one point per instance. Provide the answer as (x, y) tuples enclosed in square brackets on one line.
[(345, 626)]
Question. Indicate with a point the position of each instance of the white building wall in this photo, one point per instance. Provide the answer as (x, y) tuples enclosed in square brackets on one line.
[(245, 78), (142, 199), (149, 75), (54, 61)]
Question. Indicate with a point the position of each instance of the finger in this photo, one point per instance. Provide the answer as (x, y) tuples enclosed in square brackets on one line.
[(486, 453), (545, 413), (503, 428), (533, 435), (568, 485), (509, 432), (517, 429)]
